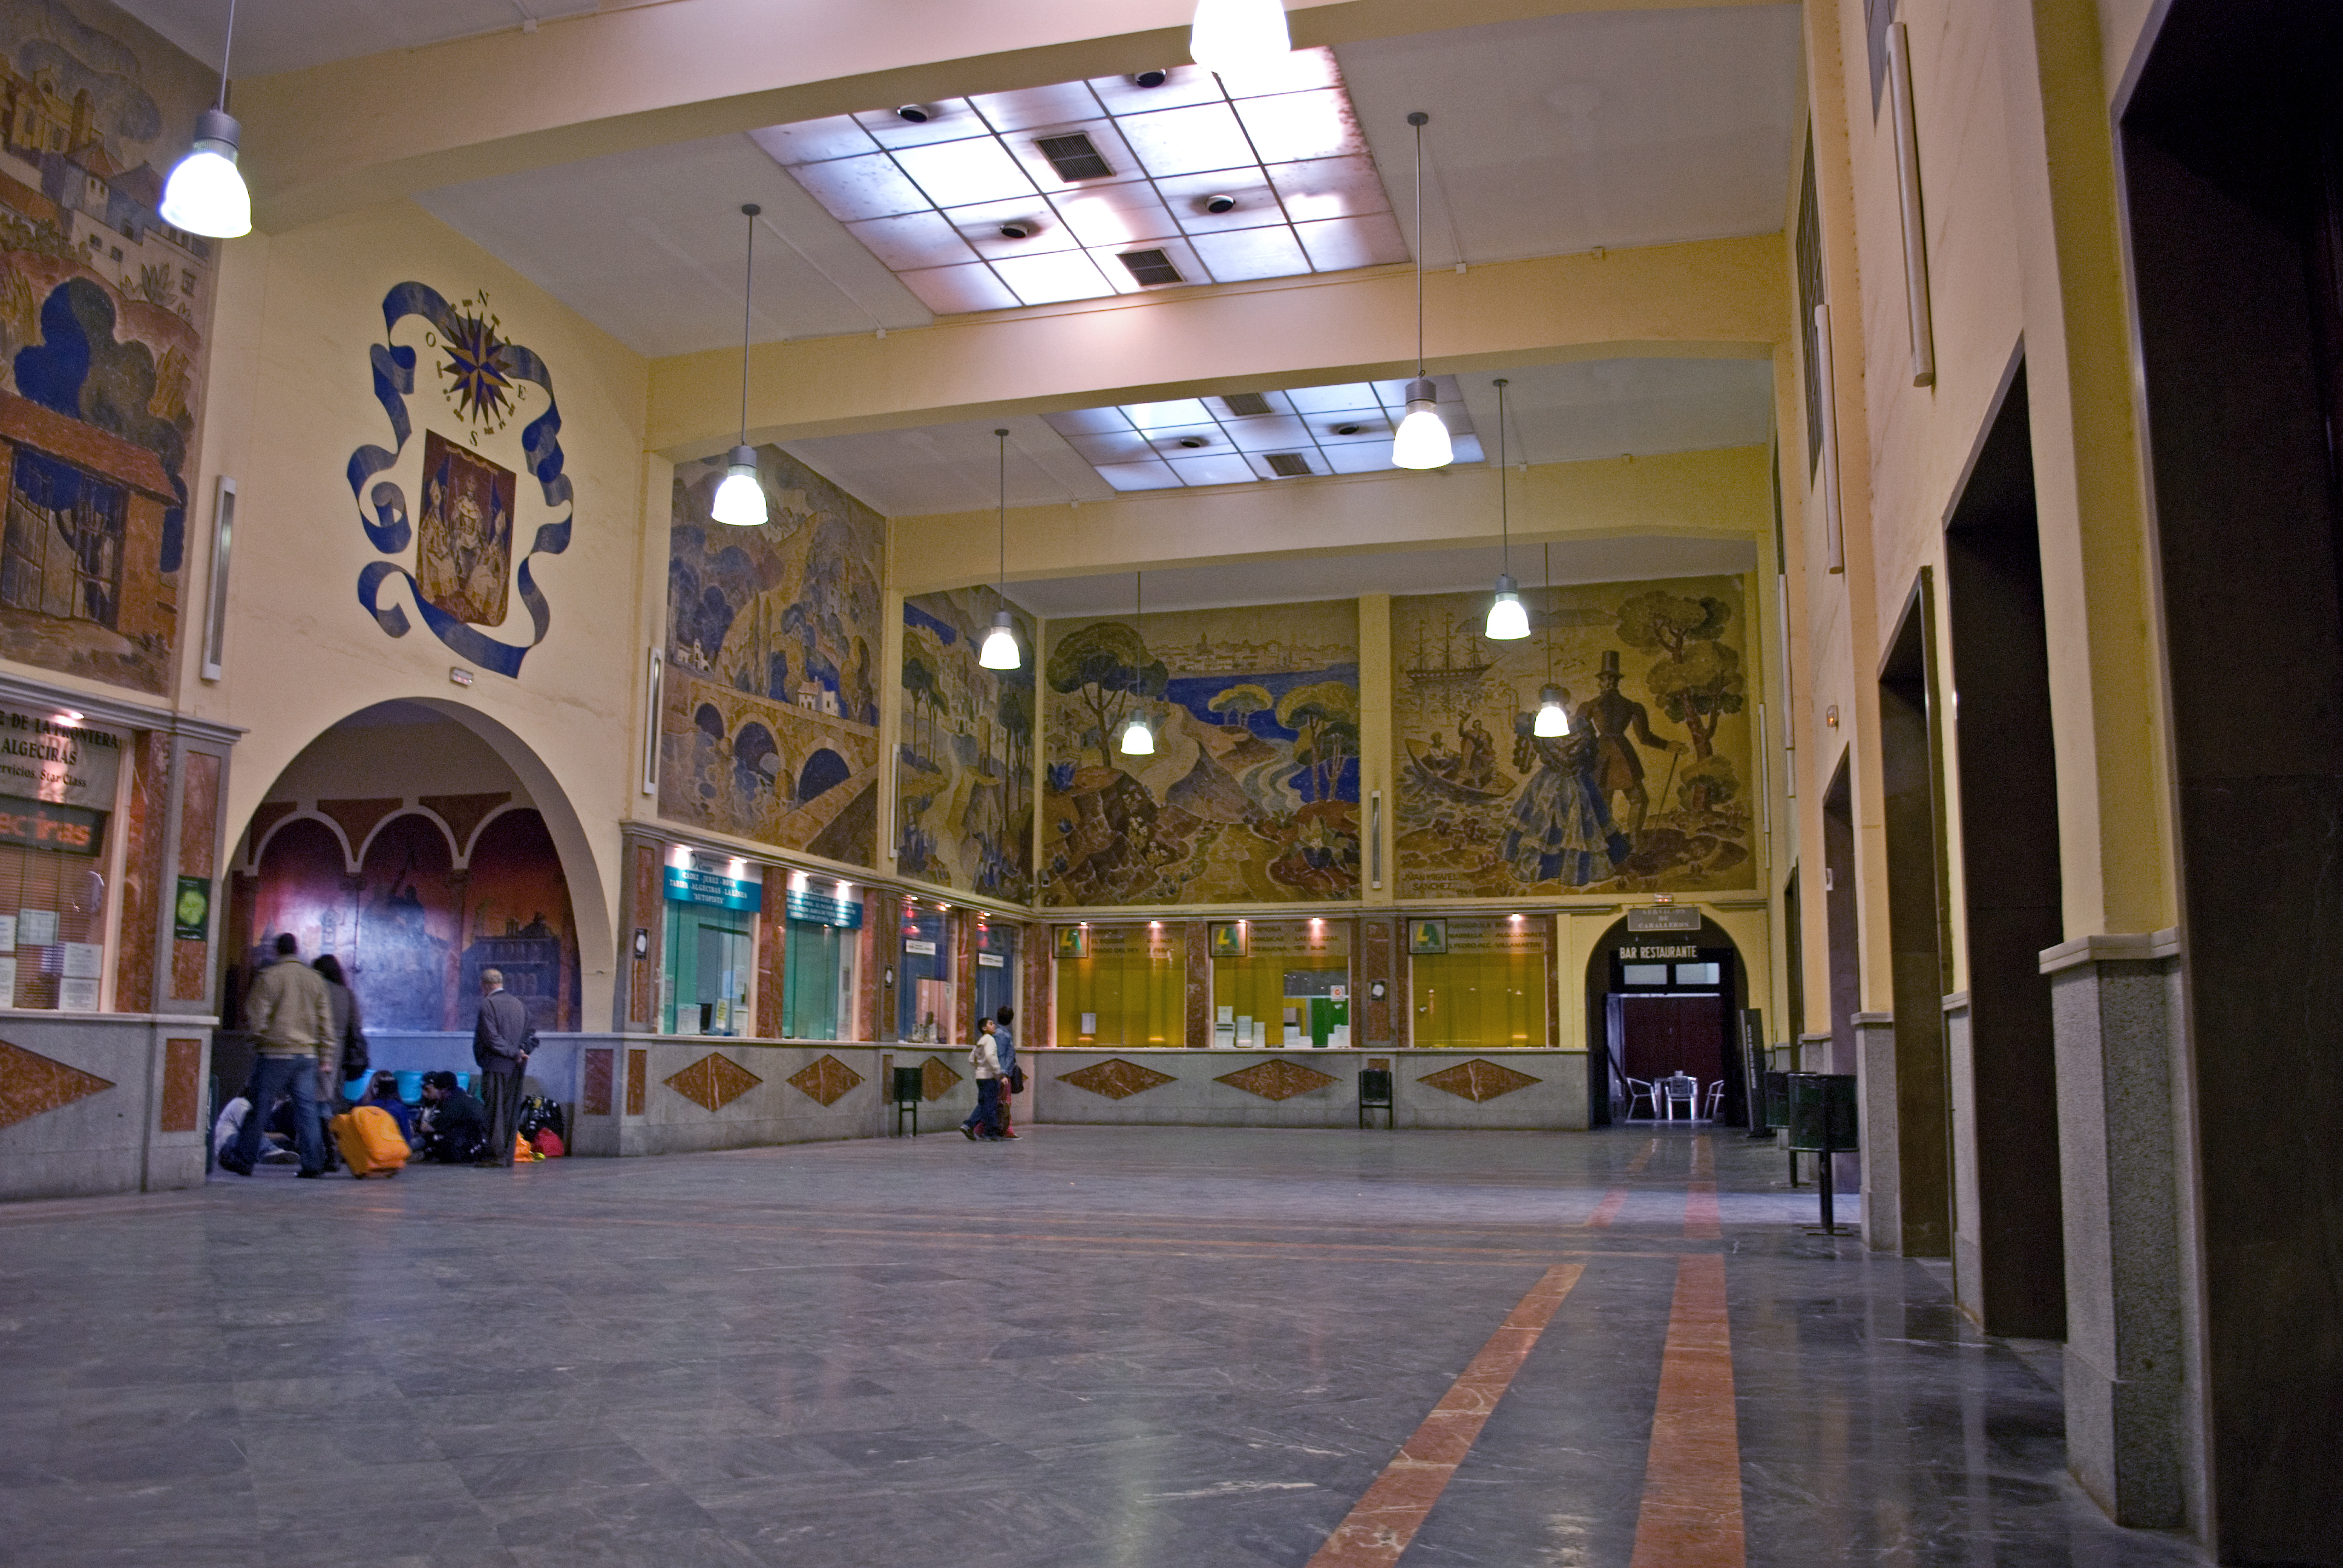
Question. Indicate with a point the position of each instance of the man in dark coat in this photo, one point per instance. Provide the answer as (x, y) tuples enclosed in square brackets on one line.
[(456, 1124), (1616, 721), (501, 1042)]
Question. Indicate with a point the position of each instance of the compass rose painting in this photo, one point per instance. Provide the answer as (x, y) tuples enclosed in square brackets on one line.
[(456, 560)]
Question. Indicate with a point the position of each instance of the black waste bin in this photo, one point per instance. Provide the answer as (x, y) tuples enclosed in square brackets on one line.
[(911, 1088), (1376, 1094), (1822, 1121)]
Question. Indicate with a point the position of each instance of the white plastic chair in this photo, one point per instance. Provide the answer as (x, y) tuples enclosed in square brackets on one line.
[(1643, 1090), (1715, 1098), (1681, 1088)]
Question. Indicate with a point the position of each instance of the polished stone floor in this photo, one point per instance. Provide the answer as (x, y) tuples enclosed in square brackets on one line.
[(1090, 1349)]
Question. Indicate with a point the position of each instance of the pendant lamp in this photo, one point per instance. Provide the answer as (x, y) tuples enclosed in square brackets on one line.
[(1234, 35), (1552, 716), (740, 498), (1421, 439), (1000, 650), (1138, 740), (1508, 621), (206, 193)]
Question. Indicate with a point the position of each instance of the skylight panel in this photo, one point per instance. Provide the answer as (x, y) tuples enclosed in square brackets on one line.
[(1107, 167), (1149, 476), (1156, 417)]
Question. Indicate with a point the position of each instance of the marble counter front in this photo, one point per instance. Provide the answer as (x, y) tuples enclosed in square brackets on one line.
[(1515, 1089)]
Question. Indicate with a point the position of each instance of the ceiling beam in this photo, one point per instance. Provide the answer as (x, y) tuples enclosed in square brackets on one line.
[(354, 132), (1726, 493), (1710, 299)]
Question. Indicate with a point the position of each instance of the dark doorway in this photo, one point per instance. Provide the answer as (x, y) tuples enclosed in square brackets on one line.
[(1659, 1035), (1793, 1021), (1911, 754), (2010, 1253), (2229, 149), (1701, 980), (1839, 918)]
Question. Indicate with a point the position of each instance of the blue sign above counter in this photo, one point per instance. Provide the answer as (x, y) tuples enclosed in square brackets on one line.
[(825, 909), (720, 881)]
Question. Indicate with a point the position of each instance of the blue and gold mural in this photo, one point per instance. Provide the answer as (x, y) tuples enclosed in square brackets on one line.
[(769, 722), (965, 767), (101, 312), (1251, 794)]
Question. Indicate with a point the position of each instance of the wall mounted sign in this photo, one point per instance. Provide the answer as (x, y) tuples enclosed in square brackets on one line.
[(720, 881), (1665, 918), (1230, 939), (37, 825), (991, 962), (1632, 954), (915, 948), (1427, 936), (191, 914), (44, 757), (824, 909), (1073, 942)]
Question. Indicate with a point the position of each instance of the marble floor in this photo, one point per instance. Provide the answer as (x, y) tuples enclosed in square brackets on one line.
[(1092, 1348)]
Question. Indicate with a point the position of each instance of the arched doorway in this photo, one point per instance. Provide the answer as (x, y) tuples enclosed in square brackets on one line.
[(1658, 1002)]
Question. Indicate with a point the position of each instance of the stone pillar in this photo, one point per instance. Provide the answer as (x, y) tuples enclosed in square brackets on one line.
[(1378, 937), (959, 928), (641, 904), (1037, 987), (1876, 1171), (2116, 1009), (772, 954), (1199, 939), (1814, 1053), (882, 949), (145, 899)]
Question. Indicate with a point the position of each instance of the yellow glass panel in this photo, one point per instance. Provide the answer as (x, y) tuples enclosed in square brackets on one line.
[(1480, 1001), (1133, 985)]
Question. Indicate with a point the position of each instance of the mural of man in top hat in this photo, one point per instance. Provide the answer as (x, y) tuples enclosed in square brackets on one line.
[(1615, 719)]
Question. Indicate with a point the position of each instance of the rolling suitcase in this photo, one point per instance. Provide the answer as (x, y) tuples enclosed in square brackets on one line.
[(370, 1141)]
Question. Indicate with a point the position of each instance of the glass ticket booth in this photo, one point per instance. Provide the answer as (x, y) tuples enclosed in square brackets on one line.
[(1123, 986), (1281, 984), (923, 990), (711, 943), (1479, 981), (818, 959), (996, 971)]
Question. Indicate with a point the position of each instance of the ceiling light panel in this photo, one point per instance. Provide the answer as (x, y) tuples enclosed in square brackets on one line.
[(1222, 441), (1259, 174)]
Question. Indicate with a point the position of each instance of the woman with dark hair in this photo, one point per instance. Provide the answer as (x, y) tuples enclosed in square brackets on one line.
[(349, 1034)]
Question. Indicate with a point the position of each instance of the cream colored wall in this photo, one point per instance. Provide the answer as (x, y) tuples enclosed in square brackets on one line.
[(290, 396)]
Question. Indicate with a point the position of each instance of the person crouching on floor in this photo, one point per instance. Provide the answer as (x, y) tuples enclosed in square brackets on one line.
[(454, 1125)]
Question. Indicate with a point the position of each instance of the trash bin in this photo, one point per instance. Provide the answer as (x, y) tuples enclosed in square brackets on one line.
[(1821, 1121), (911, 1088)]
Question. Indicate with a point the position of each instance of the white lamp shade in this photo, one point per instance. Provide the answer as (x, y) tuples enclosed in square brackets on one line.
[(1231, 35), (740, 500), (1421, 439), (1553, 717), (1138, 740), (1508, 621), (206, 193), (1000, 650)]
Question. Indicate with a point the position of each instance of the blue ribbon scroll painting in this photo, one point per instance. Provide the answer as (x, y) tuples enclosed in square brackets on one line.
[(467, 544)]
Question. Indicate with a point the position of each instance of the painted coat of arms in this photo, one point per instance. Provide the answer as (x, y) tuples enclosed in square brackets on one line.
[(464, 534)]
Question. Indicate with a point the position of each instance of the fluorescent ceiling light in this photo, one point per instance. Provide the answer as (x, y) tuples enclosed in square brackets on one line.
[(1237, 34), (1257, 150)]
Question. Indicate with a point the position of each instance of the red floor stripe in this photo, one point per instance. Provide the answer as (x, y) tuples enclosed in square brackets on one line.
[(1702, 1220), (1615, 1200), (1691, 1515), (1379, 1528)]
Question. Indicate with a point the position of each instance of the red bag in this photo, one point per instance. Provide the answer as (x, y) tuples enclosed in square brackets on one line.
[(548, 1144)]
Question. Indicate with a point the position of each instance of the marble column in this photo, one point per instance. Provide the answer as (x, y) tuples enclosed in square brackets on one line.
[(1878, 1168), (1198, 937)]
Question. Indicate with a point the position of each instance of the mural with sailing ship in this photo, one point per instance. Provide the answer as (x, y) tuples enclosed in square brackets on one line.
[(1648, 792), (1251, 793)]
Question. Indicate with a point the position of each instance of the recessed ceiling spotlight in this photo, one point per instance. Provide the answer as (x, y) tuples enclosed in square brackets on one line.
[(1193, 442), (917, 113), (1220, 204), (1150, 78), (1346, 429), (1020, 228)]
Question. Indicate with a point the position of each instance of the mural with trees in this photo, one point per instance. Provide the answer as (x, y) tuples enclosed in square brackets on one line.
[(1251, 794), (964, 768), (1649, 791)]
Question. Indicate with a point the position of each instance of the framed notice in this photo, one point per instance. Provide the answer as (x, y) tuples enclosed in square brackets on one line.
[(36, 927), (8, 982), (1230, 939), (84, 960), (78, 996), (1073, 941), (191, 914), (1427, 936)]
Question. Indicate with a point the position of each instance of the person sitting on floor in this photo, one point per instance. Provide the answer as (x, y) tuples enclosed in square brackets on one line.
[(454, 1124), (231, 1123), (382, 1094)]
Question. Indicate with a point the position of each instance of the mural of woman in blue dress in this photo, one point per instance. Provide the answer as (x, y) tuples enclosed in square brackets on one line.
[(1562, 826)]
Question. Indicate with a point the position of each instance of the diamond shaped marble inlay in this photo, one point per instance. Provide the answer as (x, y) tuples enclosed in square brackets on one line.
[(936, 1080), (1477, 1081), (1276, 1080), (825, 1081), (1116, 1079), (31, 1083), (715, 1080)]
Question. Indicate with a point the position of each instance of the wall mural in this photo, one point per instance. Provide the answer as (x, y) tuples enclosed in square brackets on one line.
[(1648, 792), (964, 778), (412, 931), (474, 508), (1253, 793), (101, 306), (768, 723)]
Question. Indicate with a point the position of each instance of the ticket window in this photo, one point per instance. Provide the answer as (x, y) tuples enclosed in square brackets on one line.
[(52, 929), (711, 944), (1121, 986), (817, 963), (1281, 984), (923, 992), (1486, 991), (995, 972)]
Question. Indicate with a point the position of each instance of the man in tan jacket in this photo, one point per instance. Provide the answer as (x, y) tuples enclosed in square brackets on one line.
[(292, 1024)]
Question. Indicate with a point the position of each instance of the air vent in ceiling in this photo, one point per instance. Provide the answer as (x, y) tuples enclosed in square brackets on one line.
[(1074, 156), (1288, 465), (1152, 266), (1246, 404)]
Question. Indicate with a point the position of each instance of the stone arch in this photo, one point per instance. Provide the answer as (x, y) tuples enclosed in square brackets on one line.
[(454, 848), (269, 835), (1598, 995), (825, 769), (757, 758)]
